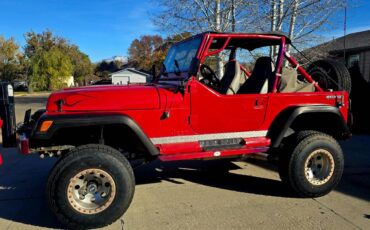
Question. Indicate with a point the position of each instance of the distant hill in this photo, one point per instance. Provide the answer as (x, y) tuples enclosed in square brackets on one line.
[(122, 59)]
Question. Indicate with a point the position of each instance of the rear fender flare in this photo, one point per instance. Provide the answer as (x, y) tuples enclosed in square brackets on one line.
[(295, 113)]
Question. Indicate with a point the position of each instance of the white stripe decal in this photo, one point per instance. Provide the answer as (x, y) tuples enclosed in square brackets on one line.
[(204, 137)]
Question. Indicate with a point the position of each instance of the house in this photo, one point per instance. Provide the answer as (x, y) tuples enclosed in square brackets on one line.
[(353, 49), (70, 81), (130, 75)]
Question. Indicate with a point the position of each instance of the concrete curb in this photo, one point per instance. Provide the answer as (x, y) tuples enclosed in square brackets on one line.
[(32, 94)]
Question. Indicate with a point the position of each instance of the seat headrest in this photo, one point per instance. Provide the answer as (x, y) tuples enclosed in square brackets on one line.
[(264, 62)]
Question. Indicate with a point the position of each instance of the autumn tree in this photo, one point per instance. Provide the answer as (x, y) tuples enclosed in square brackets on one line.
[(146, 51), (11, 60), (152, 50), (42, 41)]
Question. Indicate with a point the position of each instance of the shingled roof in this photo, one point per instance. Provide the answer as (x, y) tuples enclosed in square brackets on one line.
[(354, 42)]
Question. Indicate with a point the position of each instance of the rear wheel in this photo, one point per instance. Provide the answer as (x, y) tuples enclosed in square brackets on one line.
[(90, 187), (285, 152), (313, 166)]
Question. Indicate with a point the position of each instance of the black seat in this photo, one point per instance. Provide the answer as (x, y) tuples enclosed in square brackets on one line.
[(262, 71)]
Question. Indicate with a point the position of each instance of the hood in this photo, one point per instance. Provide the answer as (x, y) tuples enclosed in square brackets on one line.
[(105, 98)]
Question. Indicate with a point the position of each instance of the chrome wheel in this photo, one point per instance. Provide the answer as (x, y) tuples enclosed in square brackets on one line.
[(91, 191), (319, 167)]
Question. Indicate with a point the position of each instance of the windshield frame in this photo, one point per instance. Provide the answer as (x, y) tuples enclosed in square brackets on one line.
[(183, 72)]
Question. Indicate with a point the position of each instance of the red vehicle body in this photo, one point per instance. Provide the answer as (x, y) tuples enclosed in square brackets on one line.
[(177, 137), (178, 117)]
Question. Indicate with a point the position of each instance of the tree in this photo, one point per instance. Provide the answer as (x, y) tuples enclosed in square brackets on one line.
[(45, 41), (104, 68), (82, 65), (11, 59), (50, 69), (204, 15), (146, 51), (301, 18), (64, 54)]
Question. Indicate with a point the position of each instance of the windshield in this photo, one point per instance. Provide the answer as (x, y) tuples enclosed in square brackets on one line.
[(180, 55)]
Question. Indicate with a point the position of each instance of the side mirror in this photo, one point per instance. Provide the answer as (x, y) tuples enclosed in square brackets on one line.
[(194, 66)]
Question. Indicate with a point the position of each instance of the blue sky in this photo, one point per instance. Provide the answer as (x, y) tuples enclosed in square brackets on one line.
[(101, 28), (104, 28), (358, 19)]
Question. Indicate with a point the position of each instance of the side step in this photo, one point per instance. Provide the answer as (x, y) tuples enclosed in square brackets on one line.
[(214, 145), (213, 154), (221, 144)]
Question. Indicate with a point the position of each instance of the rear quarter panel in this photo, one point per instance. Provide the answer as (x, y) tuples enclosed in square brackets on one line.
[(279, 102)]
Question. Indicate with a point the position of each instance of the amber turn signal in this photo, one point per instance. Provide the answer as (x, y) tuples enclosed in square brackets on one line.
[(45, 126)]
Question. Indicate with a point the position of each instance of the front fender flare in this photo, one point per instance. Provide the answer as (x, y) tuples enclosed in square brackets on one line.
[(69, 121)]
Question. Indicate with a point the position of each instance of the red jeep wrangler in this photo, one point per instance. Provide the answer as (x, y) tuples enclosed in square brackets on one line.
[(276, 110)]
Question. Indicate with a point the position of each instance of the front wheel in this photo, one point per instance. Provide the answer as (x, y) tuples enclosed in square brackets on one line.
[(91, 187), (313, 166)]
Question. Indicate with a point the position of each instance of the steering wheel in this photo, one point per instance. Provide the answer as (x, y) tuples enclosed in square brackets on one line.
[(209, 77)]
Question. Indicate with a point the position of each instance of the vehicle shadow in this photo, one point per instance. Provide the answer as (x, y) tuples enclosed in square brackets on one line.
[(211, 173)]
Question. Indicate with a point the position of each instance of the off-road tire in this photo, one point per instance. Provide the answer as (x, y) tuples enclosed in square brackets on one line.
[(293, 159), (333, 74), (289, 143), (90, 156)]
